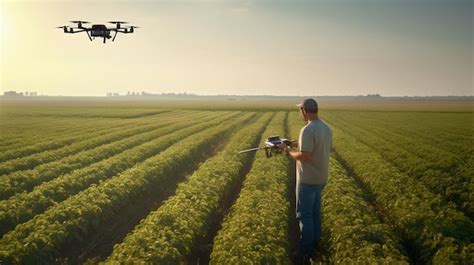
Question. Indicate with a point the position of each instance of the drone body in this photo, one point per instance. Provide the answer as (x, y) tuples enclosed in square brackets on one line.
[(99, 30), (271, 145)]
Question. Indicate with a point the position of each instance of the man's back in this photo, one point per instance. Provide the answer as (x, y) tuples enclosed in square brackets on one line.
[(315, 137)]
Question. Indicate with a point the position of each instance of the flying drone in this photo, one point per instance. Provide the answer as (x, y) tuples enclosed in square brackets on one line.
[(99, 30), (271, 145)]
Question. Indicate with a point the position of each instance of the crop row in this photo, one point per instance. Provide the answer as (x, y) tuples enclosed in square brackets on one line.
[(442, 159), (415, 126), (168, 235), (33, 160), (22, 131), (123, 113), (256, 229), (60, 140), (27, 179), (25, 135), (15, 134), (34, 139), (457, 152), (24, 206), (437, 231), (438, 171), (353, 230), (14, 127), (41, 239), (442, 123)]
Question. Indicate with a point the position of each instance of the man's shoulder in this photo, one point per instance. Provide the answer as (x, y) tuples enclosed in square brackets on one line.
[(305, 127), (317, 124), (308, 127), (325, 125), (320, 127)]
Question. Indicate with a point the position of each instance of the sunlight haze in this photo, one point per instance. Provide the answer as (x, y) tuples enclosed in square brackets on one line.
[(394, 48)]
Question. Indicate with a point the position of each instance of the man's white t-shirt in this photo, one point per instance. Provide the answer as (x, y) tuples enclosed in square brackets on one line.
[(315, 137)]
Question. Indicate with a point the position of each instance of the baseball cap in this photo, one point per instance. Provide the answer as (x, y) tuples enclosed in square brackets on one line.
[(309, 104)]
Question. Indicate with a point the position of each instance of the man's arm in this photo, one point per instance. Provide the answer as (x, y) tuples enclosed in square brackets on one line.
[(305, 146), (296, 155), (301, 156)]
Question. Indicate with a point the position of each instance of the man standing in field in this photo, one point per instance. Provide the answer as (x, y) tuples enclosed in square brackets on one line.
[(312, 168)]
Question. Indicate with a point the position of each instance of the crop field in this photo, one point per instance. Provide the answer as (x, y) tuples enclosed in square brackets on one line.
[(152, 183)]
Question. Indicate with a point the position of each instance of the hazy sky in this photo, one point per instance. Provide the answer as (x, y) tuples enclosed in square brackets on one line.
[(319, 47)]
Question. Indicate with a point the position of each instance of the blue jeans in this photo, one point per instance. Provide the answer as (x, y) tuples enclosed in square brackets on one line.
[(308, 213)]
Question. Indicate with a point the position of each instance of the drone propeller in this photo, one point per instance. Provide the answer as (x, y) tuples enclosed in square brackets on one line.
[(117, 22), (65, 28), (79, 21)]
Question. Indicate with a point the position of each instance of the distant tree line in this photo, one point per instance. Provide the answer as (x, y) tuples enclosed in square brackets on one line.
[(133, 93), (20, 94)]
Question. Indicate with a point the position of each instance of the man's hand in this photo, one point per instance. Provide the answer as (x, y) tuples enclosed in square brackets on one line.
[(284, 147), (296, 155)]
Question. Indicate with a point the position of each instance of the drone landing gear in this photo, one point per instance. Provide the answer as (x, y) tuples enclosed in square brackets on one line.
[(268, 152), (115, 36)]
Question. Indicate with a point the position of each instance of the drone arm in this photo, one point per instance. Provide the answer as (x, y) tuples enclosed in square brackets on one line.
[(72, 31), (120, 30), (126, 30)]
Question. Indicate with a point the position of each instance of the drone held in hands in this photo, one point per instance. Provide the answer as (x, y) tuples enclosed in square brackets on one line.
[(99, 30), (271, 145)]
